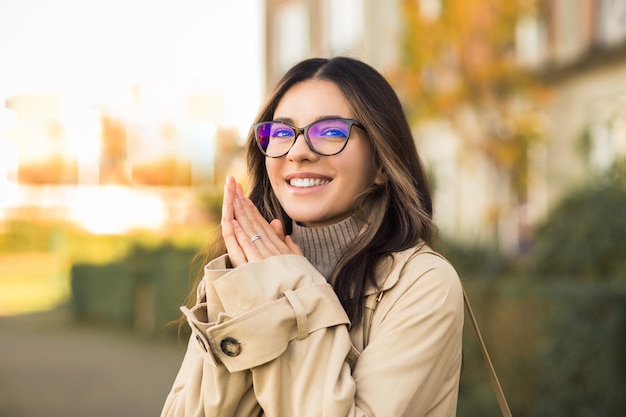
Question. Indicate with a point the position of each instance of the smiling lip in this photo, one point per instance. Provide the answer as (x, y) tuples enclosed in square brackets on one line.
[(304, 180), (307, 182)]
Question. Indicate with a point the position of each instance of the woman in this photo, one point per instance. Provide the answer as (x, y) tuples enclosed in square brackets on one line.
[(328, 300)]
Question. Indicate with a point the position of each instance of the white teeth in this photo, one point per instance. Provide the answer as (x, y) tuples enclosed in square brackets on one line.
[(307, 182)]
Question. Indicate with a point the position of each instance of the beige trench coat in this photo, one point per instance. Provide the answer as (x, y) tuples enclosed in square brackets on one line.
[(271, 338)]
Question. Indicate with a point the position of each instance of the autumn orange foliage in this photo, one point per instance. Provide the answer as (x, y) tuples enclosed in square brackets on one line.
[(462, 58)]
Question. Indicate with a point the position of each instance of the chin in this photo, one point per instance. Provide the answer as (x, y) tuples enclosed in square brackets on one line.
[(305, 219)]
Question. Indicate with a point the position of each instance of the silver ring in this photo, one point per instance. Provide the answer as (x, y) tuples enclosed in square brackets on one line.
[(255, 237)]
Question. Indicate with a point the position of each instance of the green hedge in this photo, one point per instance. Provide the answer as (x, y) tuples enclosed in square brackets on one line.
[(555, 320), (558, 349), (584, 236), (142, 291), (103, 293)]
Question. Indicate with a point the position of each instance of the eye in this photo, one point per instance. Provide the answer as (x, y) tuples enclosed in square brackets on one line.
[(333, 132), (281, 132), (329, 129)]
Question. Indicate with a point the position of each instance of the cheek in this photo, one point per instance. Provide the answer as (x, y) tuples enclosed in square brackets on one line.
[(271, 169), (365, 167)]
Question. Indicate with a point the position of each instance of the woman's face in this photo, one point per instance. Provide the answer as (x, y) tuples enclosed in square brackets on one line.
[(334, 181)]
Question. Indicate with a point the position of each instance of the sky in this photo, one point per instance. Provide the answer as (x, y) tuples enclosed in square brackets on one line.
[(95, 50)]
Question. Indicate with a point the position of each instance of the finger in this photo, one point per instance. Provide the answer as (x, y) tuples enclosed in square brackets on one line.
[(239, 190), (251, 249), (257, 237), (277, 225), (253, 223), (293, 246), (227, 202), (235, 252)]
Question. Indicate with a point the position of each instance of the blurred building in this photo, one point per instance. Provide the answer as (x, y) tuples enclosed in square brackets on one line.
[(577, 47), (112, 167), (584, 62), (298, 29), (372, 31), (44, 154)]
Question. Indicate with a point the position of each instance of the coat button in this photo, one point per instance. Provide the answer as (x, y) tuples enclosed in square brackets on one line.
[(230, 346)]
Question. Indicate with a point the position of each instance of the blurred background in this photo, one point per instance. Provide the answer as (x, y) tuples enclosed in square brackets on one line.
[(119, 121)]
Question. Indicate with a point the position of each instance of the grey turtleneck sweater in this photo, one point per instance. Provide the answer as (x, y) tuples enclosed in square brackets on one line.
[(324, 246)]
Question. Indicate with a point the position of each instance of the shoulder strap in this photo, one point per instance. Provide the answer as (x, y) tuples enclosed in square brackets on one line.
[(372, 301), (504, 406)]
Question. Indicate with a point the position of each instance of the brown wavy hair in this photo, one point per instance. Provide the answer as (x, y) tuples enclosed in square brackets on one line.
[(398, 213)]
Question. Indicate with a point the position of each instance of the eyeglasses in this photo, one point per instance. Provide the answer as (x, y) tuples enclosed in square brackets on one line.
[(325, 137)]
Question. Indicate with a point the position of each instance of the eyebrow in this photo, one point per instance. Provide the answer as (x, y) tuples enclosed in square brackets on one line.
[(291, 121)]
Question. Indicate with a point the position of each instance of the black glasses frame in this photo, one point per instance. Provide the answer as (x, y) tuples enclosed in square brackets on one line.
[(305, 132)]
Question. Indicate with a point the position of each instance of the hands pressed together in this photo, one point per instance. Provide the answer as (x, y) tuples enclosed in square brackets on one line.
[(248, 236)]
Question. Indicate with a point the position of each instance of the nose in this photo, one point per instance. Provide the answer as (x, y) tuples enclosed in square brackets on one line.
[(301, 150)]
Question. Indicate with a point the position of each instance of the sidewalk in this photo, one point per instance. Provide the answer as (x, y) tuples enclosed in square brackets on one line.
[(54, 368)]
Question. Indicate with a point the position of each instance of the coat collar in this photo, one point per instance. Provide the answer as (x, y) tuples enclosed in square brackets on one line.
[(389, 269)]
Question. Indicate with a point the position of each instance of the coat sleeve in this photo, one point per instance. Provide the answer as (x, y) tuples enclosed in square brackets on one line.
[(282, 324), (411, 366), (249, 316), (204, 387)]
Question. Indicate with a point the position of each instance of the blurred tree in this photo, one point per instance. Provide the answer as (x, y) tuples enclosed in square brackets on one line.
[(113, 151), (459, 63), (56, 167), (163, 171), (583, 239)]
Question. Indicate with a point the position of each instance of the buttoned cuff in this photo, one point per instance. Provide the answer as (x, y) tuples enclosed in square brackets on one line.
[(262, 334), (248, 286), (266, 305)]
